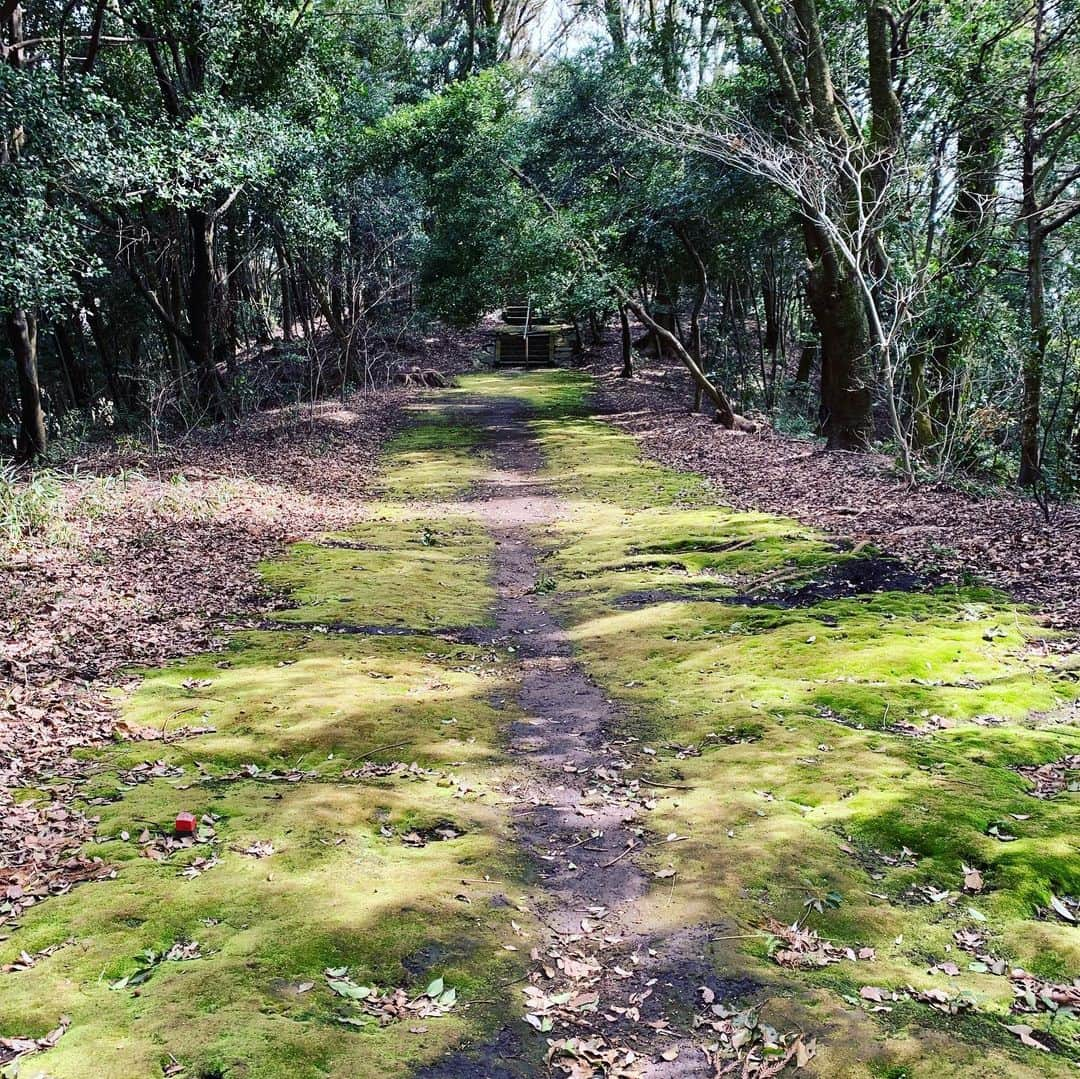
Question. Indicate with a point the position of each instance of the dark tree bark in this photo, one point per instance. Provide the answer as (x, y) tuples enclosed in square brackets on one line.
[(846, 370), (21, 323), (1050, 118), (616, 25), (22, 336), (201, 312), (1034, 359), (808, 357), (288, 313), (700, 296), (627, 345), (75, 372), (935, 370), (837, 304)]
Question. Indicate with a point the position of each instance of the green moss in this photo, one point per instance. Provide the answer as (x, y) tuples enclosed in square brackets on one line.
[(395, 570), (780, 755), (433, 460), (343, 887), (558, 393), (335, 895), (322, 700), (832, 790)]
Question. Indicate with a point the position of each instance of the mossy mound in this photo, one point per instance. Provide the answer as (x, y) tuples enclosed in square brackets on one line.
[(394, 570), (435, 459)]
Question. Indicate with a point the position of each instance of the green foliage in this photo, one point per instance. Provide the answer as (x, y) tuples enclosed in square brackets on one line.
[(29, 505), (366, 162)]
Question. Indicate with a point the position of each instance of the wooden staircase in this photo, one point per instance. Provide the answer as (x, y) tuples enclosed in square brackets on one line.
[(524, 339)]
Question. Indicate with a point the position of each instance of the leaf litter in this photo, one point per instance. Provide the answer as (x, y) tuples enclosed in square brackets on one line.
[(389, 1005), (143, 576)]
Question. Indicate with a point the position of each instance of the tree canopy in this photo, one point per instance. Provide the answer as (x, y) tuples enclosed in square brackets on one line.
[(855, 220)]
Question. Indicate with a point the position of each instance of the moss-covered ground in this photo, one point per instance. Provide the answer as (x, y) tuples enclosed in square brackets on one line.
[(401, 878), (851, 755), (841, 760)]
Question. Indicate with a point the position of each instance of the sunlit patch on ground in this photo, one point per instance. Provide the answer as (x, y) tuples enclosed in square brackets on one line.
[(344, 768)]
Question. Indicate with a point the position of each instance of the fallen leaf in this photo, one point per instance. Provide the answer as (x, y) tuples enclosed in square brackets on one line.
[(1024, 1033)]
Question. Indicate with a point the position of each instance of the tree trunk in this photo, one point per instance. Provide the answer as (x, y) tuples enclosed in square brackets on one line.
[(616, 26), (22, 324), (201, 314), (725, 414), (288, 315), (227, 312), (108, 361), (75, 373), (808, 355), (699, 299), (923, 434), (1038, 333), (846, 364), (627, 344), (1034, 356), (663, 312), (22, 336), (773, 335), (978, 143)]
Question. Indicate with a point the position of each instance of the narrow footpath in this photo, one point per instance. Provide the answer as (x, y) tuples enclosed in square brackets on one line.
[(602, 982)]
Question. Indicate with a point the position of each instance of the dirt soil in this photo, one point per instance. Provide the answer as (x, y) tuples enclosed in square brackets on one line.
[(577, 816)]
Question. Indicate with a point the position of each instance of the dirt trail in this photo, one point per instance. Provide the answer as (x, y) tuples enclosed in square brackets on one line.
[(578, 820)]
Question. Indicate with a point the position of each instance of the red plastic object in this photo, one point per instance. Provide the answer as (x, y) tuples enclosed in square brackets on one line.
[(186, 824)]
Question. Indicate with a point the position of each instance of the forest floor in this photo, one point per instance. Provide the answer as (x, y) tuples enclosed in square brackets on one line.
[(984, 530), (542, 759)]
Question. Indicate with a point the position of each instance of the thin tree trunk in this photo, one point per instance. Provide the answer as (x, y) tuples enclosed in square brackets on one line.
[(21, 323), (725, 414), (1035, 352), (288, 315), (1034, 357), (78, 378), (627, 344), (201, 313), (923, 434), (108, 361), (22, 336)]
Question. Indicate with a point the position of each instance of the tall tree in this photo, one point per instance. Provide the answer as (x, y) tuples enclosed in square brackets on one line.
[(1050, 185), (21, 323)]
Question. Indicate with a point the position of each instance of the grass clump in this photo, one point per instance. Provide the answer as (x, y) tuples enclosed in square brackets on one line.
[(31, 505)]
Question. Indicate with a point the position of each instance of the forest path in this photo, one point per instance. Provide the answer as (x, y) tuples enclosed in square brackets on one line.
[(578, 816), (552, 763), (724, 718)]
